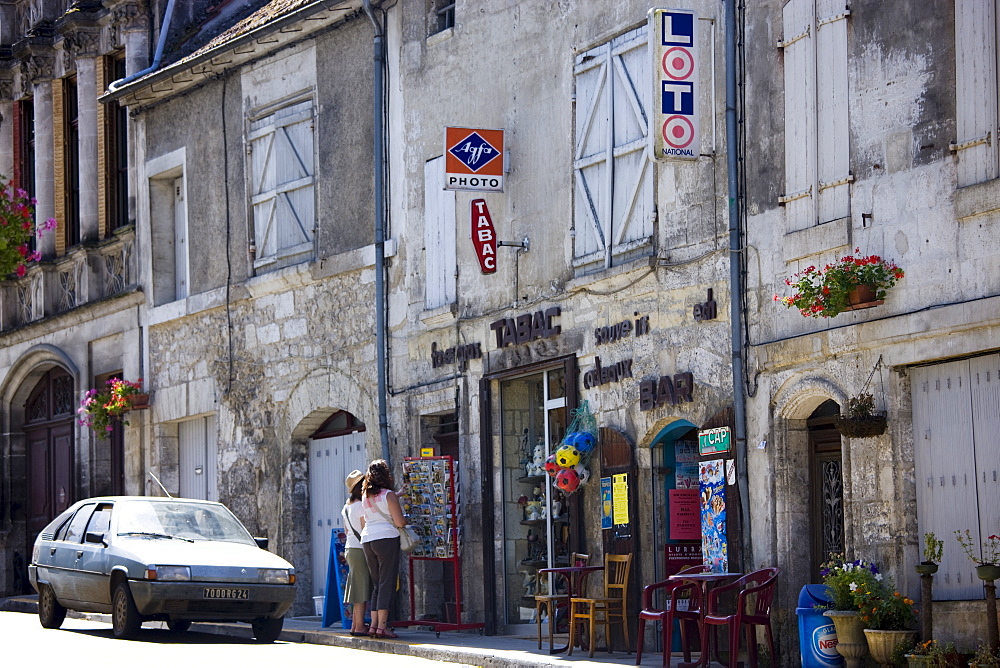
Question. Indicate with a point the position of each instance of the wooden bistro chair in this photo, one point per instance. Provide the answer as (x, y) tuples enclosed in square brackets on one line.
[(551, 602), (606, 610), (753, 609), (674, 591)]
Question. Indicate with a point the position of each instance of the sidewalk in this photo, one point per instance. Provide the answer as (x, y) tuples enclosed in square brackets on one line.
[(461, 647)]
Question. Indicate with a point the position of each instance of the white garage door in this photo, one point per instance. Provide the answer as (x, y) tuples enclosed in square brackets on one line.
[(956, 440), (330, 460)]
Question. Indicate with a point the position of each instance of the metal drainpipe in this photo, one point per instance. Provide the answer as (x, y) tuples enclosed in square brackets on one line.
[(378, 156), (160, 43), (736, 284)]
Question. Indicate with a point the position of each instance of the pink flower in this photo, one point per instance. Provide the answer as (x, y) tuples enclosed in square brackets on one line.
[(21, 270)]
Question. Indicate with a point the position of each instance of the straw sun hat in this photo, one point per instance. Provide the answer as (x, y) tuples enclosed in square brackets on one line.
[(353, 478)]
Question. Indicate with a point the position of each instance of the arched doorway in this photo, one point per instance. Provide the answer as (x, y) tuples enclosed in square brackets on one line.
[(826, 486), (336, 449), (48, 430)]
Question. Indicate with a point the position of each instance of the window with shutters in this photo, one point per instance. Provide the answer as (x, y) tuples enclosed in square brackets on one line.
[(282, 165), (439, 237), (956, 416), (613, 176), (817, 134), (976, 91)]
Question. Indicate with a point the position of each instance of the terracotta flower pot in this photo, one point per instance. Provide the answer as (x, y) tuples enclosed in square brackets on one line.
[(881, 644), (863, 296), (140, 401), (851, 643)]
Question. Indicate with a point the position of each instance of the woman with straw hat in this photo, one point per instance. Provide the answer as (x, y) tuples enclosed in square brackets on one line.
[(358, 581)]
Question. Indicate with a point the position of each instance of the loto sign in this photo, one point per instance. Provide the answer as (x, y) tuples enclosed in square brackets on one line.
[(673, 123), (473, 159), (484, 236)]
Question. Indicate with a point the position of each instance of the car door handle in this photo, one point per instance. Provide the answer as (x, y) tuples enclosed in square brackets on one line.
[(79, 554), (52, 551)]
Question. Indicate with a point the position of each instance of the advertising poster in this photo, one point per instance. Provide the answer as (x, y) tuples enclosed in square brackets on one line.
[(686, 467), (685, 519), (713, 514), (619, 493), (606, 503)]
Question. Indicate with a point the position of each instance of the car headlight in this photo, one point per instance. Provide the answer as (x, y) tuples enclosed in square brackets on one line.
[(169, 573), (279, 576)]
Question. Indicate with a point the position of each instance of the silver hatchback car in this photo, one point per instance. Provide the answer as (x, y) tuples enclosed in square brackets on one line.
[(150, 558)]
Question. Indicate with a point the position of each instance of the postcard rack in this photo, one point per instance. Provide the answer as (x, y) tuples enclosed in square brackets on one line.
[(430, 502)]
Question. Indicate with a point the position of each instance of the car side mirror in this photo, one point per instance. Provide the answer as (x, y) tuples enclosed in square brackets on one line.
[(261, 541), (96, 537)]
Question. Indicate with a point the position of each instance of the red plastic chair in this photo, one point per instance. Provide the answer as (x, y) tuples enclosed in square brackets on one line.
[(753, 608), (675, 590)]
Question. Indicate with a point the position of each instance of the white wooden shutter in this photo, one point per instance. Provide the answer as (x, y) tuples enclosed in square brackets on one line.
[(632, 203), (832, 127), (984, 377), (944, 451), (180, 241), (283, 167), (613, 175), (439, 237), (976, 90), (800, 114), (592, 169)]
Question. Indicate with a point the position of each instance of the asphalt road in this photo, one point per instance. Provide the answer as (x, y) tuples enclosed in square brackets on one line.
[(85, 644)]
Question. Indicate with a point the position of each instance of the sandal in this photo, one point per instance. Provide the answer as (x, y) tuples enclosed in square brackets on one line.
[(359, 633), (387, 634)]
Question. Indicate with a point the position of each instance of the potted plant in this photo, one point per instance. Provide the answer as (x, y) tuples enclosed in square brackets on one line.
[(100, 408), (986, 558), (888, 617), (842, 578), (985, 656), (862, 420), (852, 282), (931, 654), (933, 551), (17, 227)]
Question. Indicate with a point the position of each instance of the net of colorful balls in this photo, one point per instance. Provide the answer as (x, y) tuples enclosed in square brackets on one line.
[(568, 464)]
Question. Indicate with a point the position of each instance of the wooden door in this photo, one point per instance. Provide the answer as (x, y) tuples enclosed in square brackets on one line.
[(49, 434), (617, 458)]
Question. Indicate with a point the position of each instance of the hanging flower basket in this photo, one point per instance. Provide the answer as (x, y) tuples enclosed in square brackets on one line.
[(99, 409), (861, 421), (852, 283)]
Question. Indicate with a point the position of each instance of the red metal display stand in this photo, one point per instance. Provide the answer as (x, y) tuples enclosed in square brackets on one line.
[(431, 504)]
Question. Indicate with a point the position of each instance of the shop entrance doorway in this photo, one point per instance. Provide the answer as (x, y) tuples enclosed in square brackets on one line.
[(826, 487), (336, 449)]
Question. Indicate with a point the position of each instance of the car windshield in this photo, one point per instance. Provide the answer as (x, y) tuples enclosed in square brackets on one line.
[(163, 518)]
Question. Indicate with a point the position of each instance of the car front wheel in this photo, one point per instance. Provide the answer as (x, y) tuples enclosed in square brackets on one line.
[(125, 619), (267, 629), (50, 613)]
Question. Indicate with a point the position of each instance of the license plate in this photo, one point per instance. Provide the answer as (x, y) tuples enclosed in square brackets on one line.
[(222, 592)]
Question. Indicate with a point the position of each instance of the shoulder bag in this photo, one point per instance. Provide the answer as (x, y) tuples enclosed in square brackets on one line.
[(408, 539)]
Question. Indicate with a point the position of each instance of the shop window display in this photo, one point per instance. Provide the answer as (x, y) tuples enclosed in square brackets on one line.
[(536, 527)]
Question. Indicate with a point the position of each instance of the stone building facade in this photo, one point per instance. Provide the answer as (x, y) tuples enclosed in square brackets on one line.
[(75, 318), (871, 132)]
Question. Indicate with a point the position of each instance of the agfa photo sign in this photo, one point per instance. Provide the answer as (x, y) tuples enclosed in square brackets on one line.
[(673, 123), (473, 159)]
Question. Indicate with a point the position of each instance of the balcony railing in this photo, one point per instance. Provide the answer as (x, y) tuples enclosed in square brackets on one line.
[(86, 274)]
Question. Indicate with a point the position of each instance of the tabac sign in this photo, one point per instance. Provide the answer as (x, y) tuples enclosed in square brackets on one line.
[(673, 123), (484, 237), (473, 159)]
